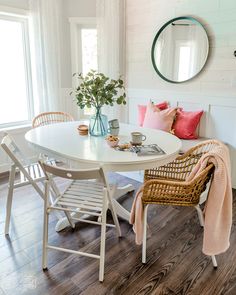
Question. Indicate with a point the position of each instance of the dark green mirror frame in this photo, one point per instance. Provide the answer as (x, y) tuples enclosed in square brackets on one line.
[(180, 49)]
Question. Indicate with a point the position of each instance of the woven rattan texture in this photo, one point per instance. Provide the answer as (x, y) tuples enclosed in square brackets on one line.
[(167, 185), (50, 118)]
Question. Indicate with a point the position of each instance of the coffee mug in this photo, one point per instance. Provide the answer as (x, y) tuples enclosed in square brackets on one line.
[(113, 123), (114, 131), (137, 137), (113, 127)]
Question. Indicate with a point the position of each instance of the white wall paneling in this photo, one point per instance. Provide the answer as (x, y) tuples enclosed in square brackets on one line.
[(144, 19), (213, 90)]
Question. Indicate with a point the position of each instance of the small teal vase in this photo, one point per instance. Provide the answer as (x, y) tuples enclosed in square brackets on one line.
[(98, 124)]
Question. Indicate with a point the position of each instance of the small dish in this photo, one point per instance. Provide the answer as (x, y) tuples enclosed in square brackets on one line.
[(135, 144), (113, 143), (83, 129), (112, 140), (124, 147)]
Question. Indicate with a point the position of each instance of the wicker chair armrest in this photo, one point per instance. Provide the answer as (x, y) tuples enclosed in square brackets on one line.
[(181, 167), (178, 169), (165, 182), (185, 193)]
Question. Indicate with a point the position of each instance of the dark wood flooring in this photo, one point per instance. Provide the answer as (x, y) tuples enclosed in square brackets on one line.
[(175, 263)]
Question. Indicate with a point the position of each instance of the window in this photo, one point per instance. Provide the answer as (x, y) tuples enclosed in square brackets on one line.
[(89, 50), (15, 74), (89, 56), (84, 50), (184, 62)]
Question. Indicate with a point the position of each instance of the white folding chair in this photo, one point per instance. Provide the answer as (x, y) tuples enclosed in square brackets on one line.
[(30, 173), (88, 193)]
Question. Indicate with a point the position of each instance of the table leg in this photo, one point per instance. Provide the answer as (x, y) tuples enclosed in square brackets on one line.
[(120, 210), (63, 222), (122, 190)]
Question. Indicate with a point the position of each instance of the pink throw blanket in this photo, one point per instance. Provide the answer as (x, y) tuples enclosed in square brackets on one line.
[(218, 208), (136, 216)]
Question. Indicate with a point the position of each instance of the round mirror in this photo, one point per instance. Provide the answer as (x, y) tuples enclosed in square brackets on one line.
[(180, 49)]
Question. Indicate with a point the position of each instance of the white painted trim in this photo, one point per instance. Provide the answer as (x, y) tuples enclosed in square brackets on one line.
[(144, 93), (16, 129), (75, 42), (83, 20), (28, 68), (7, 10), (76, 23), (24, 22)]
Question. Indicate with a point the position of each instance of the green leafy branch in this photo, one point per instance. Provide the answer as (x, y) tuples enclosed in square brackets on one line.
[(97, 90)]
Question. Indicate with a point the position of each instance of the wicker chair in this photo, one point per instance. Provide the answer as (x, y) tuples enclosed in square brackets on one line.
[(167, 185), (51, 118)]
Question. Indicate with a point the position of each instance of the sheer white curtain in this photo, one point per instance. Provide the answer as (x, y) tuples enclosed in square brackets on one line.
[(111, 46), (45, 20)]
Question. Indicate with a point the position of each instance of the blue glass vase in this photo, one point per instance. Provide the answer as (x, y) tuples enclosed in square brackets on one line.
[(98, 124)]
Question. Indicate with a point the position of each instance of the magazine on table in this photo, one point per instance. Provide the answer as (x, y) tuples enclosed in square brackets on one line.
[(147, 150)]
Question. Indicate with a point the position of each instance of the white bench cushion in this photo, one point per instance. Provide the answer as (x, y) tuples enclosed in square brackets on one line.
[(189, 143)]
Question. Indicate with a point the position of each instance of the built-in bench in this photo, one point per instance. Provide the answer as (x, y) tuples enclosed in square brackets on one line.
[(187, 144), (217, 122)]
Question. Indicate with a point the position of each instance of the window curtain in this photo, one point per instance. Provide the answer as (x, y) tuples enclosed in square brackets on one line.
[(111, 47), (45, 50)]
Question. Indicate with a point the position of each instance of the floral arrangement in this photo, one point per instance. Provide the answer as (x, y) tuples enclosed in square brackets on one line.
[(96, 90)]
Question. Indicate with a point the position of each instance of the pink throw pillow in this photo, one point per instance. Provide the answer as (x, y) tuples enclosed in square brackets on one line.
[(142, 111), (186, 123), (157, 119)]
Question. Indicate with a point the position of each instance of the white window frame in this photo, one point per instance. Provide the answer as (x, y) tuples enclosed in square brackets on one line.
[(21, 16), (76, 24)]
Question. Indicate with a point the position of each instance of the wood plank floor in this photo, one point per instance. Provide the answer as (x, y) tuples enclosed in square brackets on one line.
[(175, 263)]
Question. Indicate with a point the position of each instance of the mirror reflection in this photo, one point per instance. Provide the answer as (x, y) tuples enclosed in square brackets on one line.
[(180, 50)]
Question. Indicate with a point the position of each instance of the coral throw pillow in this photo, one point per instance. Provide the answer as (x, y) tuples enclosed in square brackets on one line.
[(186, 123), (142, 111), (157, 119)]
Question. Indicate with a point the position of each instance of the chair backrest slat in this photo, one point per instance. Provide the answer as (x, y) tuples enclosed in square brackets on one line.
[(89, 174), (51, 118), (13, 151)]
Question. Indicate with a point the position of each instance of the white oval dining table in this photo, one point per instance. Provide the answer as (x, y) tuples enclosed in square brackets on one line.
[(63, 142)]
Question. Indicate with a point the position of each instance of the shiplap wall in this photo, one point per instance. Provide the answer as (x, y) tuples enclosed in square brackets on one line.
[(214, 90)]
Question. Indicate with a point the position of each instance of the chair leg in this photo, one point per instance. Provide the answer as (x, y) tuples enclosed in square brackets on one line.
[(68, 216), (103, 241), (9, 198), (45, 227), (200, 215), (58, 214), (214, 262), (201, 220), (144, 246), (113, 212)]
